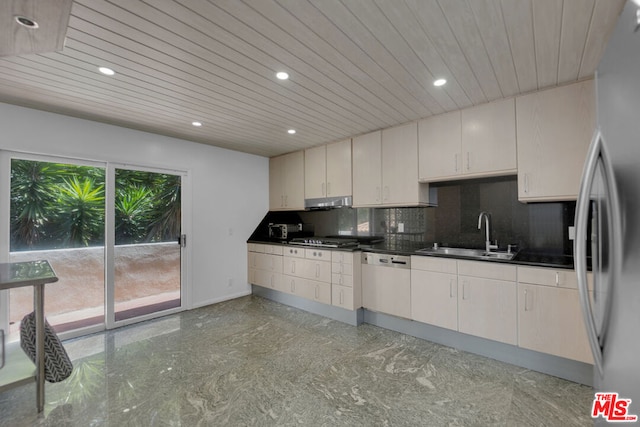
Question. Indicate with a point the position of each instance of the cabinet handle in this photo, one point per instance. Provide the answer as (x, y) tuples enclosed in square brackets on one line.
[(317, 292), (526, 183), (293, 266), (323, 193), (468, 161), (455, 162), (526, 301), (557, 279), (318, 270), (464, 289), (293, 286), (451, 288), (340, 280)]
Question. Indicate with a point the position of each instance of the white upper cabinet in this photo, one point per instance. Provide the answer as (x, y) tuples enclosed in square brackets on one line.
[(440, 140), (555, 128), (286, 182), (489, 139), (339, 169), (328, 170), (385, 168), (400, 165), (367, 169), (475, 142), (315, 172)]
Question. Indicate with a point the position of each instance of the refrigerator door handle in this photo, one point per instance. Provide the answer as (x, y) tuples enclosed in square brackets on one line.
[(580, 246)]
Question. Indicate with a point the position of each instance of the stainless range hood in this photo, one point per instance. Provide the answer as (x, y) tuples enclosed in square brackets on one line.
[(328, 202)]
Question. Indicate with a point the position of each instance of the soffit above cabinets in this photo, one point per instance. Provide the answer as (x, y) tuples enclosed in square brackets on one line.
[(355, 65), (45, 29)]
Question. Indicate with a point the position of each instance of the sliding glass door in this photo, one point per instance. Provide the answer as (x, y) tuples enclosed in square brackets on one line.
[(112, 233), (57, 212), (147, 242)]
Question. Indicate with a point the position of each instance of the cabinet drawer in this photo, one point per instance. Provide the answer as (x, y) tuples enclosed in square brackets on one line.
[(487, 270), (339, 268), (318, 254), (548, 277), (267, 262), (342, 257), (439, 265), (342, 296), (274, 249), (294, 252), (342, 279), (256, 247)]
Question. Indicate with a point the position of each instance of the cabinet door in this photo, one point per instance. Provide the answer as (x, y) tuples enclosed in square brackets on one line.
[(367, 169), (387, 290), (294, 181), (315, 171), (276, 186), (342, 296), (554, 129), (316, 270), (316, 291), (489, 139), (487, 309), (400, 165), (550, 321), (434, 298), (439, 147), (339, 169)]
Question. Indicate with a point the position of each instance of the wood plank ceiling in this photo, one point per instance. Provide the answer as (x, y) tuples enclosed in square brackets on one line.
[(355, 65)]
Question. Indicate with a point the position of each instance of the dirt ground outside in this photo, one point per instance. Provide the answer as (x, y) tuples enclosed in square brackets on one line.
[(141, 271)]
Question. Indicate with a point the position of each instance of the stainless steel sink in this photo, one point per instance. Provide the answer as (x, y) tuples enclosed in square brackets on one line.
[(467, 253)]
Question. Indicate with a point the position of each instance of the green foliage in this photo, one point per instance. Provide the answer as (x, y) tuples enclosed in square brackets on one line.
[(59, 205), (79, 211)]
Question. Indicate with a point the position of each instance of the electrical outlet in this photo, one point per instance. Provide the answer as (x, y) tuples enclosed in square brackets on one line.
[(572, 232)]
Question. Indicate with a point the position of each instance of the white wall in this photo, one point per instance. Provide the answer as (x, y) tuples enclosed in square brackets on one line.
[(229, 189)]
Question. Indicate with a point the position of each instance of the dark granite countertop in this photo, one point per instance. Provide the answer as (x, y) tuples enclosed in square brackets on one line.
[(534, 258)]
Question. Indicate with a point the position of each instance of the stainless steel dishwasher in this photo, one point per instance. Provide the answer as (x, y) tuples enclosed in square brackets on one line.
[(386, 284)]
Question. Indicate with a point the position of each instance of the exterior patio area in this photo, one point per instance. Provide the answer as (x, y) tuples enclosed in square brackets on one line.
[(147, 279)]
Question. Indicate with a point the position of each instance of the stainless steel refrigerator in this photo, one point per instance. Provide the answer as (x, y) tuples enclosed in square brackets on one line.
[(608, 224)]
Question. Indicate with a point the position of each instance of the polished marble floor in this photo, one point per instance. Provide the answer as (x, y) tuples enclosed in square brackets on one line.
[(252, 361)]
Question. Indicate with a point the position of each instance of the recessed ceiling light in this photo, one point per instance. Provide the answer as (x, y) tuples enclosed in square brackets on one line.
[(196, 124), (291, 131), (106, 71), (439, 82), (26, 22), (282, 75)]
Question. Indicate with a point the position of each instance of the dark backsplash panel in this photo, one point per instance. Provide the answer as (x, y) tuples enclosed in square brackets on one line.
[(534, 226)]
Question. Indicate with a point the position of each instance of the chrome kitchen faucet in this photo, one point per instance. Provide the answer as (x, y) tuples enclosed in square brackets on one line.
[(487, 222)]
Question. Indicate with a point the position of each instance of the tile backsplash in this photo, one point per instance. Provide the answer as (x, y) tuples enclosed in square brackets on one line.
[(454, 222)]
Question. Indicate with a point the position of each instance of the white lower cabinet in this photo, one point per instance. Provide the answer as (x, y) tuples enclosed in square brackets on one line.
[(549, 314), (487, 300), (487, 308), (265, 265), (345, 280), (434, 291)]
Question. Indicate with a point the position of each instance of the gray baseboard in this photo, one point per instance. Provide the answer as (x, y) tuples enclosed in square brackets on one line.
[(571, 370), (354, 318)]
